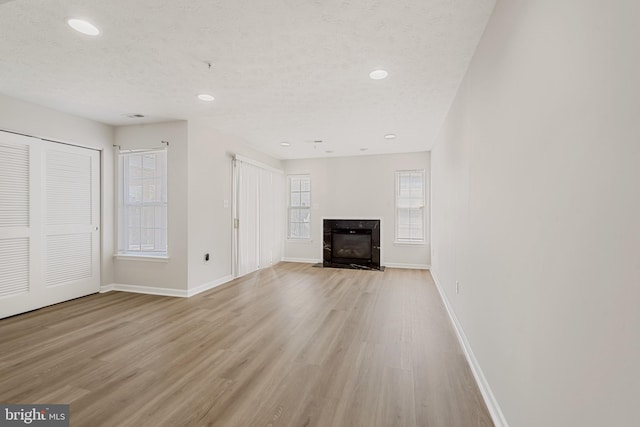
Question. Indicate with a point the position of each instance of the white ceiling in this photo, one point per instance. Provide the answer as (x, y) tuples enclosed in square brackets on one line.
[(282, 70)]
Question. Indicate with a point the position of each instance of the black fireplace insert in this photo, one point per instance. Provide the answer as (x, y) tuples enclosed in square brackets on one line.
[(351, 243)]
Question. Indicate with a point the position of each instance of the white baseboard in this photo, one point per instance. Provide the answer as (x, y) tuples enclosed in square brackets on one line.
[(181, 293), (209, 285), (409, 266), (167, 292), (303, 260), (106, 288), (490, 400)]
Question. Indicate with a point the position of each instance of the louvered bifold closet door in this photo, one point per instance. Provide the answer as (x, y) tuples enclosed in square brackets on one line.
[(49, 218), (71, 244), (15, 230)]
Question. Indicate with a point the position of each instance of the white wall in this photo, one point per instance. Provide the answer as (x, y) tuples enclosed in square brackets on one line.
[(358, 187), (30, 119), (536, 211), (173, 273), (210, 185)]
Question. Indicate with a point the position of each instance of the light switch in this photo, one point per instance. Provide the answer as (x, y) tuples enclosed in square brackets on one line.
[(226, 204)]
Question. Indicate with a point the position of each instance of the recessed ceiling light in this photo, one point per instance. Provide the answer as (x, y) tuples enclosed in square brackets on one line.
[(205, 97), (390, 136), (378, 74), (84, 27), (363, 149), (285, 144)]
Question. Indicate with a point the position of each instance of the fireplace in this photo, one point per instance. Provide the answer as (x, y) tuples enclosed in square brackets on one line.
[(351, 243)]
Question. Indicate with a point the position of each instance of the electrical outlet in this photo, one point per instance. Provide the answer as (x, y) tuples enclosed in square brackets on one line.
[(457, 287)]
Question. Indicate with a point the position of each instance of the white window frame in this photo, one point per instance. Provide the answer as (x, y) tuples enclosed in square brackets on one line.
[(419, 204), (124, 251), (290, 207)]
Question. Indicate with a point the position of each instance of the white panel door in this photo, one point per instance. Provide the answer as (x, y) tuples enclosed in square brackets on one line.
[(49, 223)]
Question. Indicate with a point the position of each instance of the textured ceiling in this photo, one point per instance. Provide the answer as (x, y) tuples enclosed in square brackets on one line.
[(282, 70)]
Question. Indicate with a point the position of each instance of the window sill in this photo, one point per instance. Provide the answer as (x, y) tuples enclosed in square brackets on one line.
[(300, 241), (142, 257), (409, 243)]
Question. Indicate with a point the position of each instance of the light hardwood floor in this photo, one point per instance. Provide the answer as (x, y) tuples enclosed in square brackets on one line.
[(290, 345)]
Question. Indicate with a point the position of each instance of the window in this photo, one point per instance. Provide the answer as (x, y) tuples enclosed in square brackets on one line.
[(143, 203), (299, 225), (410, 206)]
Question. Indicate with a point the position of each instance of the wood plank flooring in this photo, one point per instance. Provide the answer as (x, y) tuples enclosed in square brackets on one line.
[(290, 345)]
